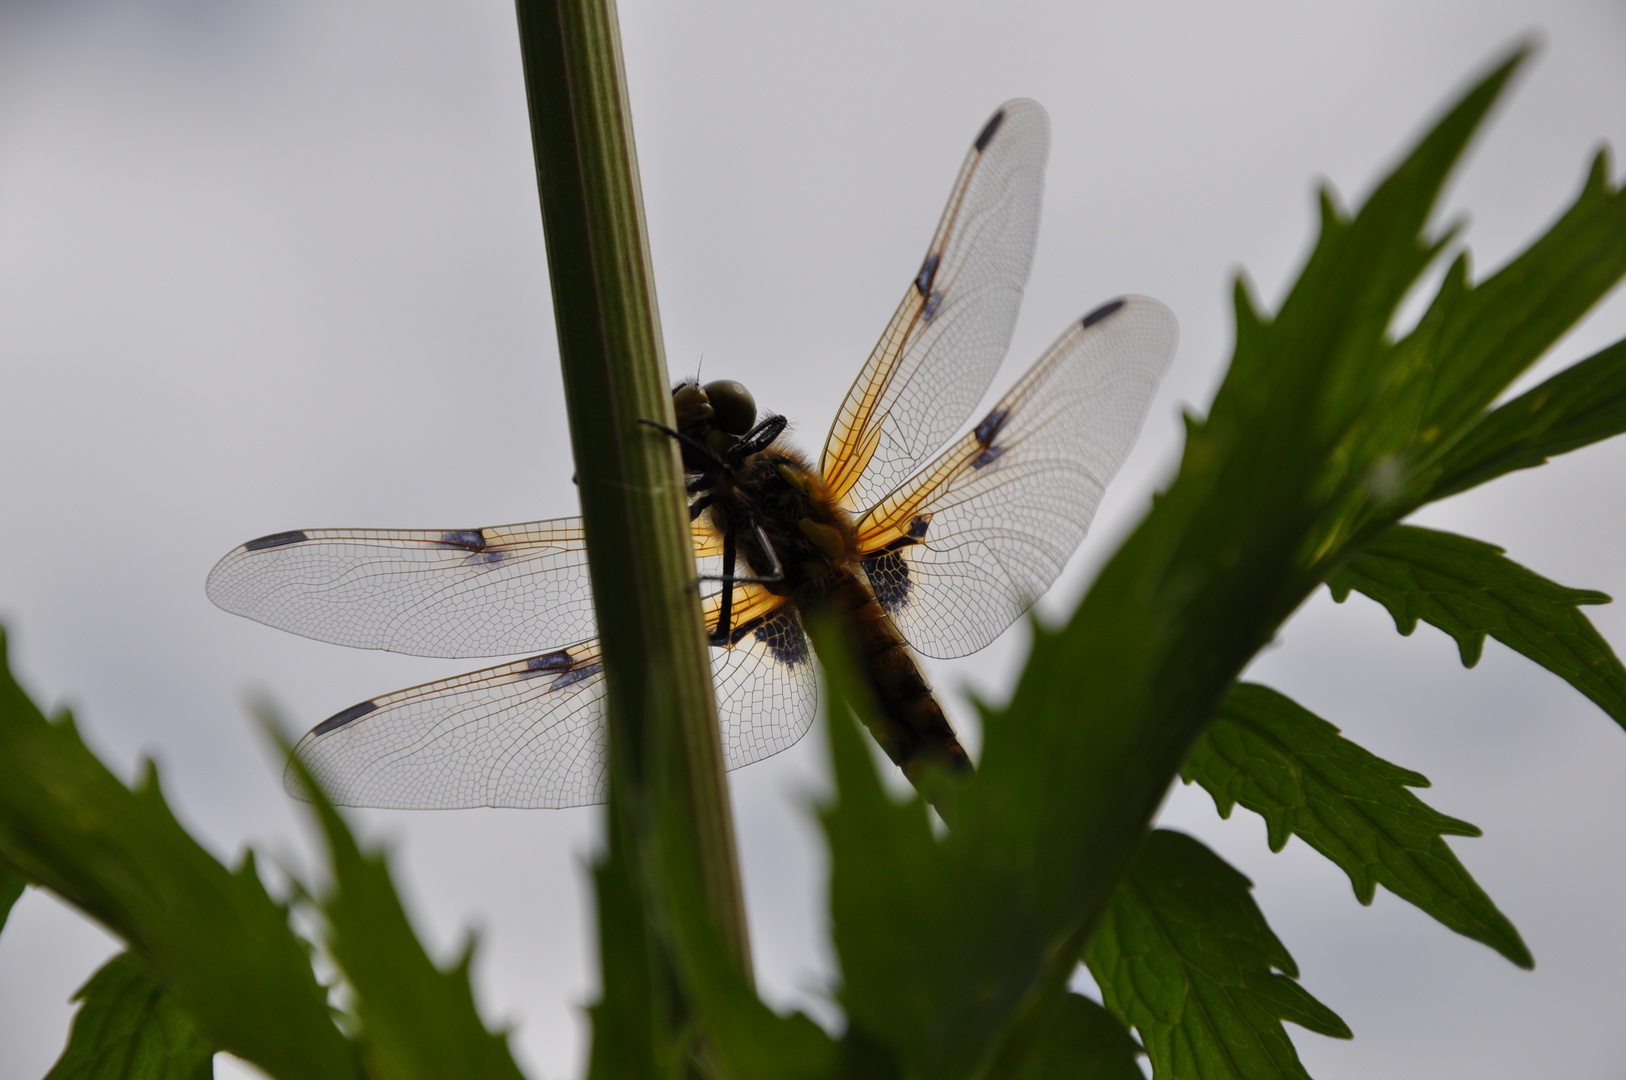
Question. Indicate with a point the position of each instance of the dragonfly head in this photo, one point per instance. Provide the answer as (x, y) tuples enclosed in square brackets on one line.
[(715, 414)]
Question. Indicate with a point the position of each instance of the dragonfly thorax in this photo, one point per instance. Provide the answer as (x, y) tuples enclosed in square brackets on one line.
[(776, 491)]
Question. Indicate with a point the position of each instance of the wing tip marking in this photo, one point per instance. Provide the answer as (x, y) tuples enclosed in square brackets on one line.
[(346, 716), (1104, 312), (281, 539), (986, 136)]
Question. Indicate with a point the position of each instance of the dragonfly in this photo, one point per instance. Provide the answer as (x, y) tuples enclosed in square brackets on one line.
[(936, 543)]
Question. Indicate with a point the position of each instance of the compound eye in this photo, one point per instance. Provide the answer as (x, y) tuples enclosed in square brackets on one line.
[(736, 409), (690, 406)]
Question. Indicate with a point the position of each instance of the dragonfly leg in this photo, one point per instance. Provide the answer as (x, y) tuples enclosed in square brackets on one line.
[(776, 572), (698, 507), (759, 438), (774, 576), (689, 441), (725, 615)]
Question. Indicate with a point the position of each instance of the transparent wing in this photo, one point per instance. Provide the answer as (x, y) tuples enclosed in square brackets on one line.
[(944, 343), (957, 553), (453, 592), (439, 592), (531, 733), (767, 692)]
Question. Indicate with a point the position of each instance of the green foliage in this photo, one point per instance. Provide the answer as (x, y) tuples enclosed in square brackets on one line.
[(130, 1028), (12, 884), (956, 947), (1468, 589), (1579, 406), (1476, 339), (1292, 768), (213, 963), (632, 1017), (1325, 431), (212, 937), (1083, 1041), (885, 866), (733, 1032), (1185, 956), (415, 1021)]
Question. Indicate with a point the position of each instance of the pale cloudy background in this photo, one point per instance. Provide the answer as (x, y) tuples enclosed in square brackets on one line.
[(278, 265)]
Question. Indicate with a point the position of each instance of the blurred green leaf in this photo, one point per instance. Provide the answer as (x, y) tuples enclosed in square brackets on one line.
[(12, 884), (130, 1028), (1469, 589), (1083, 1041), (1292, 768), (739, 1036), (213, 938), (734, 1034), (631, 1025), (884, 871), (1184, 957), (1581, 405), (417, 1022)]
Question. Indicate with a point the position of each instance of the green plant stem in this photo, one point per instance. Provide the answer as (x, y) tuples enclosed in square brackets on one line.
[(632, 496)]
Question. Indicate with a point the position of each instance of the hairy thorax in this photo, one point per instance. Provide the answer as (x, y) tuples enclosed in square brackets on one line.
[(809, 532)]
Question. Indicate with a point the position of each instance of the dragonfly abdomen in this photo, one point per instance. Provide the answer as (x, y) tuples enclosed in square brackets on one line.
[(910, 724)]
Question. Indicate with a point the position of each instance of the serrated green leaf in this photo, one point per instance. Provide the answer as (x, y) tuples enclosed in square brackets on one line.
[(1581, 405), (1469, 589), (417, 1022), (1185, 958), (1472, 342), (1109, 707), (130, 1028), (212, 937), (12, 884), (1083, 1042), (1486, 335), (1292, 768)]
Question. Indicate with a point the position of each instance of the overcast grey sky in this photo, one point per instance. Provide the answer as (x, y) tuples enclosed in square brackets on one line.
[(279, 265)]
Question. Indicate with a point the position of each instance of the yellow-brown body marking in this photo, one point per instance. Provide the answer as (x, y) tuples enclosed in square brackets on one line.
[(817, 549)]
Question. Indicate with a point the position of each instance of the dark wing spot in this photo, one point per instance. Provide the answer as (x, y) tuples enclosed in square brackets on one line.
[(932, 303), (989, 428), (547, 664), (339, 719), (782, 633), (1105, 311), (987, 456), (917, 530), (468, 539), (740, 632), (276, 540), (888, 575), (988, 130), (928, 271), (570, 678)]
